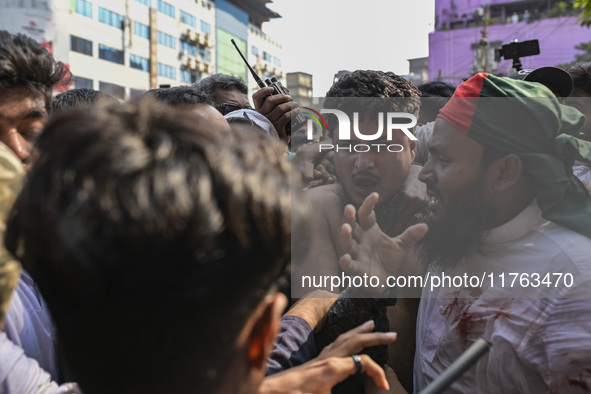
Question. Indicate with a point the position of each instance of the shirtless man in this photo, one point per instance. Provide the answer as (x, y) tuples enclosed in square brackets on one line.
[(390, 174)]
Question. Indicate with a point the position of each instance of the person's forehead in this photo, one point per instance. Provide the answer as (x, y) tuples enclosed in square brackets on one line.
[(232, 97), (369, 127), (20, 102)]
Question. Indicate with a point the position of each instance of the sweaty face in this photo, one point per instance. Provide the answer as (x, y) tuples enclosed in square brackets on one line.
[(227, 101), (377, 170), (22, 117), (455, 162), (456, 183)]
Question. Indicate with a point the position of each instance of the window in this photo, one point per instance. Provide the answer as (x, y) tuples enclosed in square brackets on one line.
[(167, 71), (255, 51), (81, 45), (205, 27), (141, 30), (166, 40), (165, 8), (110, 18), (276, 61), (205, 54), (110, 54), (82, 83), (266, 56), (83, 7), (111, 89), (188, 76), (141, 63), (188, 19), (190, 48), (145, 2)]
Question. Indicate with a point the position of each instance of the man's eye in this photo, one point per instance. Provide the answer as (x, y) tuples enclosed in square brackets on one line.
[(30, 135)]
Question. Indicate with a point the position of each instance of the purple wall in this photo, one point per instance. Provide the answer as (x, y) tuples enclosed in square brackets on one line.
[(450, 52), (445, 9)]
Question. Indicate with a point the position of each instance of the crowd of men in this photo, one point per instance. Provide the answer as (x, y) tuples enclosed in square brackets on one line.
[(162, 244)]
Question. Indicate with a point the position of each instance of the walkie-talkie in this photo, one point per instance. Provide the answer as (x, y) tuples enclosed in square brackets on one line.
[(296, 121)]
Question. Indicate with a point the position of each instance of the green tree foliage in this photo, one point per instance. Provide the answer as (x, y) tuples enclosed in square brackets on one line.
[(584, 6)]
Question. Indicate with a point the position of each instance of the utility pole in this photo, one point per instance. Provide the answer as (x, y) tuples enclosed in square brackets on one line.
[(482, 63)]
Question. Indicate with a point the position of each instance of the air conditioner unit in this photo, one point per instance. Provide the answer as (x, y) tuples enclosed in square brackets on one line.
[(202, 40), (209, 41), (202, 66), (191, 63), (210, 69)]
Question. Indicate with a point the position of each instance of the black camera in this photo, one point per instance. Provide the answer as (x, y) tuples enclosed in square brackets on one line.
[(516, 49)]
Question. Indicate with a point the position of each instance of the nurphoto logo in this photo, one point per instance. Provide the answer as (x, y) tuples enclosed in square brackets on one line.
[(394, 121)]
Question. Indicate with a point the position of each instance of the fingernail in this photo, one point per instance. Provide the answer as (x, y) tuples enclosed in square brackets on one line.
[(392, 334), (368, 323)]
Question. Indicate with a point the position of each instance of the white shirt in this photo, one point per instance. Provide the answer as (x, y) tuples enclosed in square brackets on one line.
[(540, 344), (29, 325), (22, 375)]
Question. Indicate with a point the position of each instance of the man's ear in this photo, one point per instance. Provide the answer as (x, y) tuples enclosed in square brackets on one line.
[(413, 148), (506, 172), (265, 329)]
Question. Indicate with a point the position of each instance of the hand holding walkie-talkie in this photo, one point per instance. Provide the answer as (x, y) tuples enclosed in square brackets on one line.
[(277, 108)]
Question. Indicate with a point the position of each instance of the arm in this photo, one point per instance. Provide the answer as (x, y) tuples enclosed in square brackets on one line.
[(320, 257), (20, 374), (320, 376), (295, 343)]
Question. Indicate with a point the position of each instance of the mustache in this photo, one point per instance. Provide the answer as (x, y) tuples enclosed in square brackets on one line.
[(365, 174), (434, 190)]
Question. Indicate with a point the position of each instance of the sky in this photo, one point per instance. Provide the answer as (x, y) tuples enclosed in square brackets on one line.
[(321, 37)]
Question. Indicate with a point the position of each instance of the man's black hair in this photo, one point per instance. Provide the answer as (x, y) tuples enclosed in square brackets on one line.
[(581, 75), (78, 97), (436, 89), (180, 96), (209, 85), (24, 63), (388, 92), (434, 96), (153, 236)]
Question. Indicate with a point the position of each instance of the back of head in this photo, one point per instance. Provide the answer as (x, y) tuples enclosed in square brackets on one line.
[(209, 85), (78, 97), (26, 64), (581, 75), (179, 96), (152, 237), (434, 95)]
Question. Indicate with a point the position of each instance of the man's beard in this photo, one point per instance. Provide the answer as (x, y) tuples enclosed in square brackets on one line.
[(462, 229)]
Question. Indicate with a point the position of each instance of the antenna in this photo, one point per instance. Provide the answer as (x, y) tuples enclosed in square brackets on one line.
[(254, 74)]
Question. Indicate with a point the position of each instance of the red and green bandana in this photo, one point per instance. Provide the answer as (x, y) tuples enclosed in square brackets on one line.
[(526, 119)]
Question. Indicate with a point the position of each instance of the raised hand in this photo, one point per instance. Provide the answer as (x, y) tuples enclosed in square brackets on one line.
[(368, 250)]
